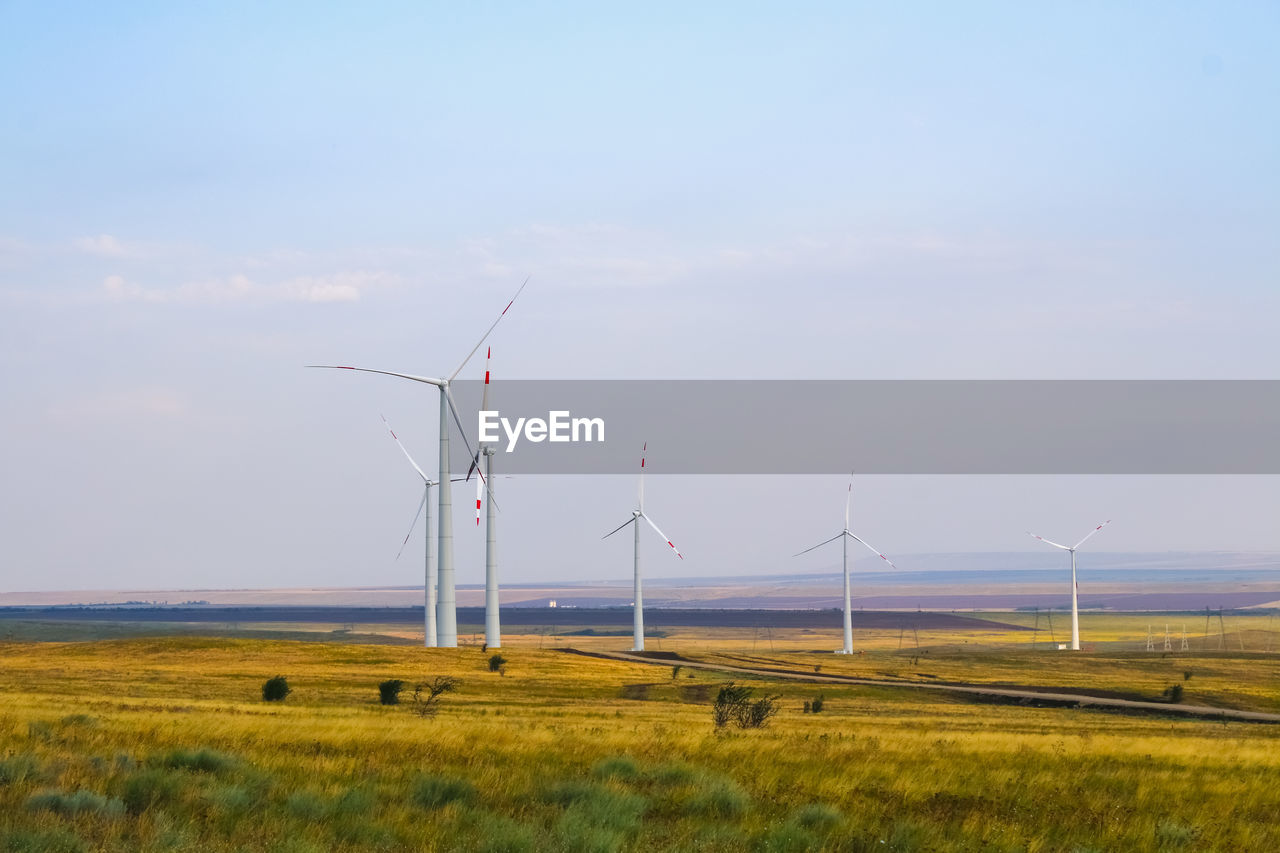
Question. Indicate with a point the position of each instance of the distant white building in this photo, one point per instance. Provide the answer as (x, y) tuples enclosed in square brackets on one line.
[(551, 603)]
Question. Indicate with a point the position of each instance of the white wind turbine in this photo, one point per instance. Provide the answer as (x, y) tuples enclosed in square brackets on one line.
[(636, 515), (845, 536), (446, 603), (429, 604), (492, 624), (1075, 587)]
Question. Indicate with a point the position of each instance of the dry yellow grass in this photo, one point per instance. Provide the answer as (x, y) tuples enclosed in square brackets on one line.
[(568, 752)]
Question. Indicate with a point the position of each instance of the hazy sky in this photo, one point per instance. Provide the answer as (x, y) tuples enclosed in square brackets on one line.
[(195, 202)]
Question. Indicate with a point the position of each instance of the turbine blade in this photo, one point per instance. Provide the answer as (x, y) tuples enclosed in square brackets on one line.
[(820, 544), (847, 499), (1091, 532), (484, 400), (416, 516), (1047, 542), (421, 474), (640, 499), (619, 527), (436, 382), (486, 334), (453, 409), (871, 549), (663, 535)]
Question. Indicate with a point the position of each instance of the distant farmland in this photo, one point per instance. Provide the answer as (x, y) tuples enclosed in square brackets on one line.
[(511, 617)]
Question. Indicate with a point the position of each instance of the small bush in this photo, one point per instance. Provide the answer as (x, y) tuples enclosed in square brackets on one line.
[(755, 715), (675, 672), (80, 802), (729, 700), (733, 703), (389, 691), (818, 702), (498, 664), (1174, 693), (275, 689), (433, 792), (1186, 675), (427, 696)]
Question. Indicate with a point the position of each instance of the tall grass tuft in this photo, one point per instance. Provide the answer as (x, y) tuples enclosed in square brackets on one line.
[(433, 792), (199, 760), (56, 840), (722, 798), (151, 787), (76, 803), (618, 767), (17, 769)]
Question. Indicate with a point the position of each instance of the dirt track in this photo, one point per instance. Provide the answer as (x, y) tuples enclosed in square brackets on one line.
[(1011, 695)]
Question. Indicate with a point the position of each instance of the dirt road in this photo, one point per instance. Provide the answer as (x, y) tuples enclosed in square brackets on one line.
[(1010, 695)]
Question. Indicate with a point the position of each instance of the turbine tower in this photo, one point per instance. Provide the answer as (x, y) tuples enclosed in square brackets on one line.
[(446, 603), (1075, 587), (845, 536), (492, 623), (429, 603), (638, 592)]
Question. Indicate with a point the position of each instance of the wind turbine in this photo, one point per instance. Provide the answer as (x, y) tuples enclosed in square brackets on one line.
[(446, 603), (636, 515), (1075, 587), (429, 605), (844, 536), (492, 625)]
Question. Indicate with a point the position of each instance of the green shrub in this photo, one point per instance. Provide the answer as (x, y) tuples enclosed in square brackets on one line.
[(389, 691), (1174, 693), (817, 704), (275, 689), (498, 664), (433, 792)]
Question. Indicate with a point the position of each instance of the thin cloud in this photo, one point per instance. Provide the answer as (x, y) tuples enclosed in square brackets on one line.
[(339, 287), (105, 246)]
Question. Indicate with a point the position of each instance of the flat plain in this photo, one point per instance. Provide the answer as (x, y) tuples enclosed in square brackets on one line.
[(155, 737)]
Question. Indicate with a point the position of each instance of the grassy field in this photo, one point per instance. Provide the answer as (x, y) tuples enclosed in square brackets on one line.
[(163, 742)]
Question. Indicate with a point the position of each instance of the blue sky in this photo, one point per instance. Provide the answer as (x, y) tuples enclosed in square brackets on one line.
[(195, 201)]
